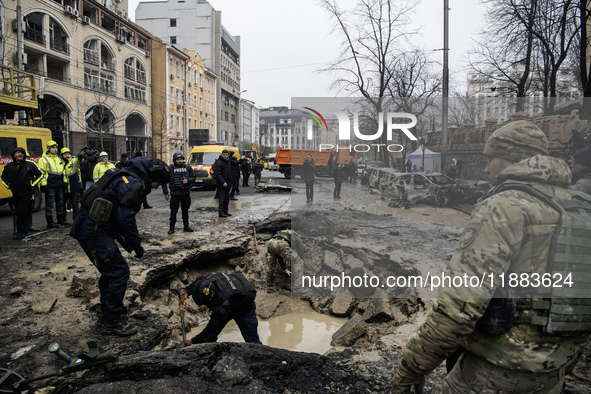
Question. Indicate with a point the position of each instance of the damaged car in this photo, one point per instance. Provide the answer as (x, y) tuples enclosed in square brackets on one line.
[(404, 189)]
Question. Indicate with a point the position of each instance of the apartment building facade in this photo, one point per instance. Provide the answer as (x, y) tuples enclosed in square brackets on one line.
[(92, 68), (197, 26), (288, 128), (249, 121)]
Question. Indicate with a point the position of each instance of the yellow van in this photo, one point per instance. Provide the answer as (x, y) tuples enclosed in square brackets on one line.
[(202, 158), (32, 139)]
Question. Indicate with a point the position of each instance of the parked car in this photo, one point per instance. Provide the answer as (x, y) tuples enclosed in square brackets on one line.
[(405, 189)]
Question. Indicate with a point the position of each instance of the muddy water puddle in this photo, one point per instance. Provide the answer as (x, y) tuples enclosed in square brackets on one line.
[(304, 332)]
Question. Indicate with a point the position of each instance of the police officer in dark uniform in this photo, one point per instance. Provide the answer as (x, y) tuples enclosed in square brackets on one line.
[(124, 189), (235, 163), (181, 179), (222, 173), (229, 296)]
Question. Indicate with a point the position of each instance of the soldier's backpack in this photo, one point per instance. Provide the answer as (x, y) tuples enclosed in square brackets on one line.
[(565, 309)]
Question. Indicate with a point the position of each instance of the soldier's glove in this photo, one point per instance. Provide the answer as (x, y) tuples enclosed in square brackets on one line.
[(406, 378), (139, 252)]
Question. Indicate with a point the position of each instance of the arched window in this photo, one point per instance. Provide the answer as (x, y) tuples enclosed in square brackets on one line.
[(100, 119), (99, 68), (135, 71)]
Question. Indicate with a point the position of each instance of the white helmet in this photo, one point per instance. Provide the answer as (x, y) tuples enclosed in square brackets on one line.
[(103, 154)]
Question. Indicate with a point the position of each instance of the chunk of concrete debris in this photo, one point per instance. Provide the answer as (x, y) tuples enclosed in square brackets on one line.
[(83, 286), (350, 332), (378, 311), (44, 307), (342, 306), (272, 188)]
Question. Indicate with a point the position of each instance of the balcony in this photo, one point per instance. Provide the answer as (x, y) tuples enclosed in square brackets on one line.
[(129, 72), (91, 56), (57, 76), (35, 36), (108, 64), (59, 44)]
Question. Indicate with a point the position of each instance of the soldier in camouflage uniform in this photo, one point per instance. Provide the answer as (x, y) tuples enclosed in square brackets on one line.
[(280, 252), (509, 231)]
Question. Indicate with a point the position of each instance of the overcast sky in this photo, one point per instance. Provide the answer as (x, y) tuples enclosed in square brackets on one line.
[(282, 47)]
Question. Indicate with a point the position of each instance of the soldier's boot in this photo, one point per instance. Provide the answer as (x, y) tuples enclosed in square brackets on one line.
[(50, 223), (187, 228), (171, 230)]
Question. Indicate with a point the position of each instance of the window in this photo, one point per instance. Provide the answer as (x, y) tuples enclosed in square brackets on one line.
[(172, 94), (7, 146), (99, 81), (135, 93), (34, 147), (134, 69), (171, 124), (173, 39), (172, 22)]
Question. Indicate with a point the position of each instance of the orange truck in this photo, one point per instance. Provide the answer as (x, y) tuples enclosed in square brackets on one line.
[(290, 160)]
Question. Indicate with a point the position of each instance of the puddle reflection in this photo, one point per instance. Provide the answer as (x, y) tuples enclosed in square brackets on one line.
[(304, 332)]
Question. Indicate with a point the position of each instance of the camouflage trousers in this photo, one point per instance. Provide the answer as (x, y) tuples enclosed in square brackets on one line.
[(473, 374), (279, 253)]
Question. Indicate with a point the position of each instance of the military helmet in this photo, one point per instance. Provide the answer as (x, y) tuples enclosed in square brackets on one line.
[(517, 141)]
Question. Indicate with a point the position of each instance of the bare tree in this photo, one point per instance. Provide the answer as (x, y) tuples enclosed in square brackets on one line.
[(462, 109), (375, 35), (505, 48), (159, 129), (584, 64), (556, 29), (525, 46)]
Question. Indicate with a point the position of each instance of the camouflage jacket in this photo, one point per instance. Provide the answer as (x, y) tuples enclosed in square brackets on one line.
[(510, 231)]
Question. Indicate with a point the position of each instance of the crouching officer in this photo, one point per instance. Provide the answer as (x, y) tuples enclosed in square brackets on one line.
[(107, 212), (229, 296)]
